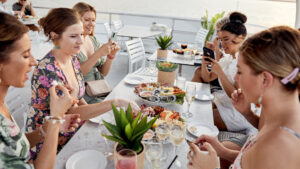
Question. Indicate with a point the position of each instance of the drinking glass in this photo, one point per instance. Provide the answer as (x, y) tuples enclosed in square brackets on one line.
[(162, 131), (177, 135), (190, 97), (152, 67), (153, 153), (103, 131), (126, 159), (180, 82)]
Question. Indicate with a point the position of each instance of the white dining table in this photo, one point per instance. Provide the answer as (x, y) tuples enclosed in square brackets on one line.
[(134, 31), (88, 136)]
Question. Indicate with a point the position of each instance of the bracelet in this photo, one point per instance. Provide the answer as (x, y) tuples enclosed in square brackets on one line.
[(55, 119), (41, 130)]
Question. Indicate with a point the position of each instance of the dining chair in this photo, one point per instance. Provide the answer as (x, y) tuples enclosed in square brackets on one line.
[(200, 37), (136, 55)]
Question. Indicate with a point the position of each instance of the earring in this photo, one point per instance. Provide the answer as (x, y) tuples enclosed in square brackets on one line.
[(56, 45), (256, 108)]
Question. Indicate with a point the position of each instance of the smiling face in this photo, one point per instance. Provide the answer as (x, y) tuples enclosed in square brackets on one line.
[(89, 21), (71, 39), (15, 71), (230, 44)]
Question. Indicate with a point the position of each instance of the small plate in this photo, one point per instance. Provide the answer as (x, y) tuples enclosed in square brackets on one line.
[(134, 80), (108, 117), (91, 159), (204, 97), (199, 129)]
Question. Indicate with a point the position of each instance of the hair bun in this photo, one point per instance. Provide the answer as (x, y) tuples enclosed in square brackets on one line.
[(41, 22), (237, 17)]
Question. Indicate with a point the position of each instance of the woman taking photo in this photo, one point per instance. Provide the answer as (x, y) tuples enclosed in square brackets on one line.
[(270, 60), (61, 64), (15, 63), (95, 60)]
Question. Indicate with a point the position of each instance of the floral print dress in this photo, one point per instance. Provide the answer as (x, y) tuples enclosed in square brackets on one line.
[(14, 146), (47, 71)]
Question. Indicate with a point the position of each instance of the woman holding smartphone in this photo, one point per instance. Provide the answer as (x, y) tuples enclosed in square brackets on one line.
[(95, 60)]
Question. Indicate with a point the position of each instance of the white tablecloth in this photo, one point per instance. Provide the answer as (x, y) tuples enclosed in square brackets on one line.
[(88, 137)]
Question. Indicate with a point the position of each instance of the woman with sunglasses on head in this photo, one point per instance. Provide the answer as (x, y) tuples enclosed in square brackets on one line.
[(95, 60), (15, 63), (268, 75), (61, 64)]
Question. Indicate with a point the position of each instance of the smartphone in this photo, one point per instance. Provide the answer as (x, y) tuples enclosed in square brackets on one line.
[(113, 36), (209, 53)]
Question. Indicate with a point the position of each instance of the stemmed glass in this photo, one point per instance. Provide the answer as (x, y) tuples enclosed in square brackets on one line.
[(162, 132), (190, 97), (126, 159), (103, 131), (153, 153), (177, 135)]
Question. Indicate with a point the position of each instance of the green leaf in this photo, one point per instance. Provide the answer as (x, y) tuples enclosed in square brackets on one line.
[(114, 130), (129, 114), (140, 125), (122, 142), (117, 116), (135, 121), (144, 129), (128, 131), (124, 120)]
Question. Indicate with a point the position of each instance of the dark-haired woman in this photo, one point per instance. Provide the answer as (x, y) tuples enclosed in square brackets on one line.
[(15, 63), (268, 75), (61, 64)]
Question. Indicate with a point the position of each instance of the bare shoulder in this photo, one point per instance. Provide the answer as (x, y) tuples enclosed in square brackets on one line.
[(277, 149)]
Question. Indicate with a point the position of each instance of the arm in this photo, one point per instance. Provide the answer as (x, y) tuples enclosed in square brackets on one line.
[(227, 85), (105, 68), (23, 8), (32, 10)]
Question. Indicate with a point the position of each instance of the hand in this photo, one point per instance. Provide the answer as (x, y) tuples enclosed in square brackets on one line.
[(25, 3), (204, 62), (70, 123), (200, 160), (114, 50), (240, 102), (124, 103), (211, 140), (210, 45), (105, 49), (30, 4), (217, 42), (215, 67), (59, 104)]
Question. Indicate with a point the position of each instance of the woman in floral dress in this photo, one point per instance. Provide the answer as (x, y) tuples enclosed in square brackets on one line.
[(15, 62), (61, 64)]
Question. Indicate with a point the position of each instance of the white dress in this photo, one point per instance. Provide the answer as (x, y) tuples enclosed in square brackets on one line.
[(233, 119)]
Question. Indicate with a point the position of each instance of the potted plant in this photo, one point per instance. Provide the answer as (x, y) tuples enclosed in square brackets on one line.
[(166, 72), (164, 42), (128, 132), (210, 25)]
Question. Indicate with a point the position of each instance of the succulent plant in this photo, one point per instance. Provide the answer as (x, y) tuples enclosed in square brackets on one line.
[(166, 66), (128, 130), (164, 42)]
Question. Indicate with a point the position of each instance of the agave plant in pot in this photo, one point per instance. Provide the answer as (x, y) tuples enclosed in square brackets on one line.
[(164, 42), (128, 132)]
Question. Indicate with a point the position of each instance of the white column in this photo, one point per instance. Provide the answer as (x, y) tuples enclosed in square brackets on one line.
[(297, 21)]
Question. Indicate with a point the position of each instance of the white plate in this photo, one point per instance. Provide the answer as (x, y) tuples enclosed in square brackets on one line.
[(108, 117), (204, 97), (201, 128), (134, 80), (91, 159)]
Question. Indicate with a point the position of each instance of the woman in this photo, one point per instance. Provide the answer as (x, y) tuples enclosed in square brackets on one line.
[(95, 61), (24, 8), (61, 64), (270, 60), (15, 62)]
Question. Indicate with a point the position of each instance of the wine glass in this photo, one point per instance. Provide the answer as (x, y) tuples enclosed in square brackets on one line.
[(126, 159), (190, 97), (177, 135), (103, 131), (162, 133), (153, 153), (152, 67)]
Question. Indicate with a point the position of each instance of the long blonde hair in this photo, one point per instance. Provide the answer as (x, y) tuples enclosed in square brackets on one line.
[(81, 8), (276, 50)]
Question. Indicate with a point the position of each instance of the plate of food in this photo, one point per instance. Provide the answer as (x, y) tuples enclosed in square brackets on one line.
[(159, 94), (198, 129), (181, 51)]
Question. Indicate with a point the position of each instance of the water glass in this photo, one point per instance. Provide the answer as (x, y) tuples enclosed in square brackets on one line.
[(154, 152), (180, 82), (152, 67), (126, 159), (187, 55), (190, 97), (162, 131)]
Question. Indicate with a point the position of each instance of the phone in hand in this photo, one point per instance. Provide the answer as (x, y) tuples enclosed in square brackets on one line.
[(113, 36), (209, 53)]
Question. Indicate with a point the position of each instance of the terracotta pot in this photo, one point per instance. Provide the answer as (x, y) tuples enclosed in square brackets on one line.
[(166, 77), (162, 53), (140, 156)]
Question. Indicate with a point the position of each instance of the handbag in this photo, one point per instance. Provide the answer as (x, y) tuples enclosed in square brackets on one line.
[(97, 88)]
